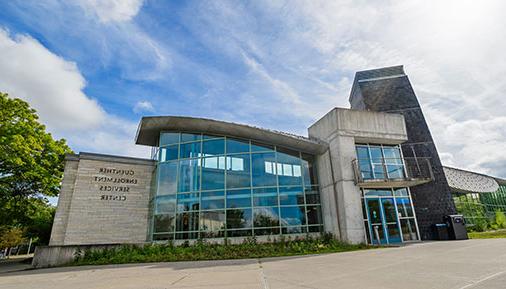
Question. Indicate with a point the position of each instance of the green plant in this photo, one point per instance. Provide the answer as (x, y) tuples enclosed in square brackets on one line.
[(204, 250), (500, 219)]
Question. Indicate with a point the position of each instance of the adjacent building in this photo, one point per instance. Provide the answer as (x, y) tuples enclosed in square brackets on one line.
[(369, 174)]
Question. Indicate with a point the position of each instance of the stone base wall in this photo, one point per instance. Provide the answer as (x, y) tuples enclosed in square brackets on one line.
[(104, 200)]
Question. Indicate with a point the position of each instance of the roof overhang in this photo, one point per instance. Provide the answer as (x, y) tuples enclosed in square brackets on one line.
[(469, 182), (150, 128)]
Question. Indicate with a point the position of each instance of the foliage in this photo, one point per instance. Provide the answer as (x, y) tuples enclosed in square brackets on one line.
[(487, 235), (11, 237), (31, 161), (202, 250), (31, 168), (500, 219)]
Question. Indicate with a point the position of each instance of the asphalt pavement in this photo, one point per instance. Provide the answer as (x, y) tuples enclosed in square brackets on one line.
[(452, 264)]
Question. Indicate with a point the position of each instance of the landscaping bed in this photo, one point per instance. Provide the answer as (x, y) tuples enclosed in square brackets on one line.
[(202, 250)]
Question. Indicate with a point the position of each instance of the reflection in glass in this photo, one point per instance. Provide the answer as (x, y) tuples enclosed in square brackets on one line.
[(291, 196), (379, 193), (239, 218), (167, 178), (260, 147), (213, 147), (213, 173), (212, 200), (188, 202), (238, 171), (185, 137), (164, 223), (404, 207), (308, 170), (189, 175), (293, 216), (169, 153), (237, 146), (239, 198), (313, 215), (165, 204), (263, 169), (289, 168), (389, 210), (213, 186), (393, 233), (402, 192), (212, 221), (265, 197), (266, 217), (408, 227), (312, 195), (188, 221), (190, 150), (168, 138), (374, 161)]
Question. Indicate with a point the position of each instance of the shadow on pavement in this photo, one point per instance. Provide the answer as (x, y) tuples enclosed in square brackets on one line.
[(179, 265)]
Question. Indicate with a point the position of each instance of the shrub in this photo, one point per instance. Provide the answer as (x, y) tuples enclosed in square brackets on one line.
[(500, 219), (203, 250)]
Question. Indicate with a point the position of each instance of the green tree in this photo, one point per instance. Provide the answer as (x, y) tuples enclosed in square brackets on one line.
[(31, 165), (11, 237)]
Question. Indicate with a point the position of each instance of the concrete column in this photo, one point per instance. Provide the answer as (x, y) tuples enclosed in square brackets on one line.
[(349, 205), (328, 195)]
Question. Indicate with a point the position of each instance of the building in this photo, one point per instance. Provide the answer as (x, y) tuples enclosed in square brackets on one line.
[(476, 196), (366, 174)]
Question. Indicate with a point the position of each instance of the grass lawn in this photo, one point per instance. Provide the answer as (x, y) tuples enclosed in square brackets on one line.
[(488, 235), (202, 250)]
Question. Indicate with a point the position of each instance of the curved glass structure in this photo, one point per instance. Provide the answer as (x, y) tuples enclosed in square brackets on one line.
[(218, 186)]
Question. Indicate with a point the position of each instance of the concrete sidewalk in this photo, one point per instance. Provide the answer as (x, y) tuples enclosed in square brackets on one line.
[(454, 264)]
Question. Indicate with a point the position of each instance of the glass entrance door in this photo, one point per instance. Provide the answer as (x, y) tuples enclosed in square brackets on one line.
[(383, 221)]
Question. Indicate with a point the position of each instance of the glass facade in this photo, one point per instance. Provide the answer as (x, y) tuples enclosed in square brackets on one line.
[(380, 161), (389, 216), (216, 186)]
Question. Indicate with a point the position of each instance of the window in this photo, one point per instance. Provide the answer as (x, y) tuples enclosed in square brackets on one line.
[(189, 175), (263, 169), (238, 171), (190, 150), (237, 146), (289, 168), (380, 162), (213, 173), (167, 178), (212, 186), (169, 138)]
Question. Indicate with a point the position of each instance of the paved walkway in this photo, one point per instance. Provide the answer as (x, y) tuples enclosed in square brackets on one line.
[(456, 264), (14, 263)]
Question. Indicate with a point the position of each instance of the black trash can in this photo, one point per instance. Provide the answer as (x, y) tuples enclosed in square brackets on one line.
[(456, 227), (440, 232)]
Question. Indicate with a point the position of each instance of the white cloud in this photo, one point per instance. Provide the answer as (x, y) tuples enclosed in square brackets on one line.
[(51, 84), (54, 87), (113, 10), (143, 106), (452, 51)]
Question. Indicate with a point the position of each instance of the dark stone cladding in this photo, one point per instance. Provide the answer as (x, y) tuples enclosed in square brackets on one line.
[(389, 90)]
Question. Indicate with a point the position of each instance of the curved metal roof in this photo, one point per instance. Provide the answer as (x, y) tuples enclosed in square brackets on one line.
[(469, 182), (150, 127)]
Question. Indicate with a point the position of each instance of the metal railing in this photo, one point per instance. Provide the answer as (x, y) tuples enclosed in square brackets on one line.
[(409, 171)]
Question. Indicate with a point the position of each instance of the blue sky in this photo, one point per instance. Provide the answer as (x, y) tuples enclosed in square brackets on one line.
[(92, 68)]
